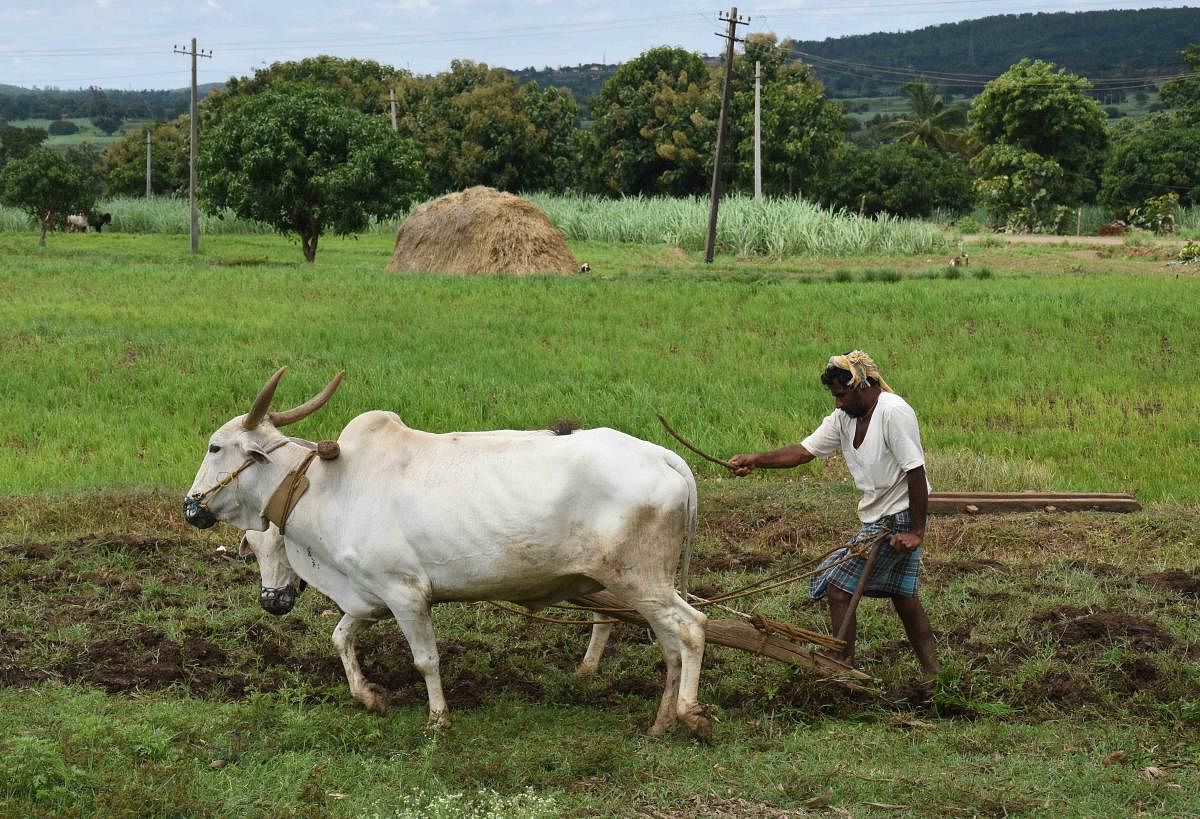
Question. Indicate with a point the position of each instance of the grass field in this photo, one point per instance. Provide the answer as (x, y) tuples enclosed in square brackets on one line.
[(139, 677)]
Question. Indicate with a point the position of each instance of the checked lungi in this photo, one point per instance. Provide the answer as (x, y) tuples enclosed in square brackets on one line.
[(895, 571)]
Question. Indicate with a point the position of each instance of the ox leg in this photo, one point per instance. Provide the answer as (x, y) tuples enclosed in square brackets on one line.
[(601, 630), (345, 639), (417, 624), (680, 632)]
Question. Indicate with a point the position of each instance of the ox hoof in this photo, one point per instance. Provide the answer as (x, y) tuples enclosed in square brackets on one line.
[(585, 671), (701, 729), (374, 699), (437, 721)]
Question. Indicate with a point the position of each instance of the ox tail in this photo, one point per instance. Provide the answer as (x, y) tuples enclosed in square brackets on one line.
[(690, 509)]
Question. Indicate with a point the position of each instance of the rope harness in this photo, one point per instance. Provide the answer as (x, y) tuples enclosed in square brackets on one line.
[(761, 623)]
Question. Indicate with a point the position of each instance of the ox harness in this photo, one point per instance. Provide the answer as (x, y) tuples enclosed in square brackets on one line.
[(282, 501)]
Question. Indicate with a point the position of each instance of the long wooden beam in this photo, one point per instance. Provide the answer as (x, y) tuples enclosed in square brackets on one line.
[(734, 633), (951, 503)]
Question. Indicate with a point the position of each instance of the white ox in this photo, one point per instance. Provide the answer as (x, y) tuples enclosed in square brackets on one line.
[(404, 519)]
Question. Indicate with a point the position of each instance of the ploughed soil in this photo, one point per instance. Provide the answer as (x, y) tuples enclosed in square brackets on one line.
[(1041, 630)]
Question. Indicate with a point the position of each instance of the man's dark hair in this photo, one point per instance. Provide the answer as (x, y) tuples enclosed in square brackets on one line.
[(843, 377)]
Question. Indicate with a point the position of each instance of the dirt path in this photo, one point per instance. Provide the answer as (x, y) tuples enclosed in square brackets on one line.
[(1046, 239)]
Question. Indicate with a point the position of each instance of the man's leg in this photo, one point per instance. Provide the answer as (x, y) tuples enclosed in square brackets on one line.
[(839, 601), (916, 626)]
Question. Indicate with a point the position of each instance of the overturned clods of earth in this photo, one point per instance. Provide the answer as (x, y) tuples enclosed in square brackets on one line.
[(134, 602)]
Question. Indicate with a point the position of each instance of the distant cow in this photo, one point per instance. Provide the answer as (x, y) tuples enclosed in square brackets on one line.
[(404, 519), (80, 222)]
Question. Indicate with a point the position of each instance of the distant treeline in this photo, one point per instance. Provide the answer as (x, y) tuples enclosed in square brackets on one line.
[(95, 103), (1096, 44)]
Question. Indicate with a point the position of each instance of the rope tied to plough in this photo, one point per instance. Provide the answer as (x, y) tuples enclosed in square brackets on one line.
[(788, 575)]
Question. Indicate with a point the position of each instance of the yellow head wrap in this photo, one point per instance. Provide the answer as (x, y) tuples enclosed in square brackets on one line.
[(861, 367)]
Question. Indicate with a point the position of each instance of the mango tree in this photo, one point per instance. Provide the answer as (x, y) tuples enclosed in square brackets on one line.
[(300, 159)]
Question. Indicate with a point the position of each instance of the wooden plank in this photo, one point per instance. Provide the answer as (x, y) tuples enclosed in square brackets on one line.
[(735, 633), (1031, 494), (957, 503)]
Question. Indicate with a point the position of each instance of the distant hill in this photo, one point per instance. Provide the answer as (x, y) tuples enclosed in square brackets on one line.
[(957, 57), (1097, 44)]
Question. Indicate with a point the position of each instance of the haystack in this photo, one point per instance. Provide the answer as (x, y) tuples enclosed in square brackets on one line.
[(480, 230)]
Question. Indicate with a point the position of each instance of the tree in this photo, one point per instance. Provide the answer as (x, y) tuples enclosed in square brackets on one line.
[(299, 159), (931, 123), (900, 179), (362, 84), (18, 143), (123, 165), (654, 125), (1153, 157), (801, 128), (1022, 191), (108, 123), (1184, 93), (476, 126), (47, 187), (1037, 109)]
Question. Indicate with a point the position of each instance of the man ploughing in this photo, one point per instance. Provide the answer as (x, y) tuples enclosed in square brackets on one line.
[(877, 433)]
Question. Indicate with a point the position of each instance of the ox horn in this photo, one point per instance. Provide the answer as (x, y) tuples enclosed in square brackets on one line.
[(263, 401), (282, 419)]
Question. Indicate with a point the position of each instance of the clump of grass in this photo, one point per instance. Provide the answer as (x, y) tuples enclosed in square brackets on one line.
[(982, 273), (951, 273), (884, 274)]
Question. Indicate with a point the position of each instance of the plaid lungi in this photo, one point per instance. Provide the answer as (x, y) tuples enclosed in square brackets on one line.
[(895, 570)]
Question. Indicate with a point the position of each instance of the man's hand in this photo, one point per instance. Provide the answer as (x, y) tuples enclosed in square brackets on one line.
[(742, 465), (907, 541)]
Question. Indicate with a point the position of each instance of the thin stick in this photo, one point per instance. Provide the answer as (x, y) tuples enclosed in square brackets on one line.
[(692, 446), (848, 617)]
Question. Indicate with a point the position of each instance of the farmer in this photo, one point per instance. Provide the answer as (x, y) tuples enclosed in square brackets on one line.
[(876, 430)]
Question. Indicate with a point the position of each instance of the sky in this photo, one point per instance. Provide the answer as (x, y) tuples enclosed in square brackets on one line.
[(132, 44)]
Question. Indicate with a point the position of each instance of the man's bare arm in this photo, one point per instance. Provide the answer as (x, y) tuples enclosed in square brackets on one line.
[(782, 458), (918, 508)]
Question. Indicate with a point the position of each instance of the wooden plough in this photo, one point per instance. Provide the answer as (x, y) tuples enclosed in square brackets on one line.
[(756, 635)]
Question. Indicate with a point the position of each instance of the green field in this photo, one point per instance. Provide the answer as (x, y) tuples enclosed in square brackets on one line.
[(139, 677)]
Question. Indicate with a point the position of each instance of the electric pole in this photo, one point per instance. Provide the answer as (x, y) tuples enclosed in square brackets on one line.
[(392, 104), (734, 21), (192, 147), (147, 163), (757, 130)]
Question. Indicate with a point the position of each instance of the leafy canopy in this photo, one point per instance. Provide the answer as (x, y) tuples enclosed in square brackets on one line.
[(1039, 109), (654, 125), (46, 186), (299, 159), (477, 126)]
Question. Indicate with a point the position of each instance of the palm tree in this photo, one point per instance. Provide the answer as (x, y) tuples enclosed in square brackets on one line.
[(931, 123)]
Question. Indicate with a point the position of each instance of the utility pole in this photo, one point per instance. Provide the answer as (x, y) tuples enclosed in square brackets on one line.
[(734, 21), (148, 192), (392, 103), (192, 147), (757, 130)]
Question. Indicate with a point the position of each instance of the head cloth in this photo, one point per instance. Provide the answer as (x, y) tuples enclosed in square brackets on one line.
[(861, 367)]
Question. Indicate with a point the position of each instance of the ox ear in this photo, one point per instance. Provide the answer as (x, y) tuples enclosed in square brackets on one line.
[(244, 550), (256, 451), (263, 401), (282, 419)]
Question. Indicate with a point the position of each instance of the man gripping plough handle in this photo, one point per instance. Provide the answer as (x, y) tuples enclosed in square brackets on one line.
[(877, 433)]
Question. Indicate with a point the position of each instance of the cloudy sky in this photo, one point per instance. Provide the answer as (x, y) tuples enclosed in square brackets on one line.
[(129, 44)]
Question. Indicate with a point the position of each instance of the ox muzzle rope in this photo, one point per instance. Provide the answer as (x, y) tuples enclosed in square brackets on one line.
[(195, 505)]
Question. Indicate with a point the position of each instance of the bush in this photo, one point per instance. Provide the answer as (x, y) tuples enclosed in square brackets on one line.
[(968, 224), (1157, 214), (62, 127), (900, 179)]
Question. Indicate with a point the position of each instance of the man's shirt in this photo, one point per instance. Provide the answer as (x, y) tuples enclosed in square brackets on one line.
[(891, 447)]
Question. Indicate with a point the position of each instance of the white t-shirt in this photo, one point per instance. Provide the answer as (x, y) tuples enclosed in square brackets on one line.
[(891, 447)]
